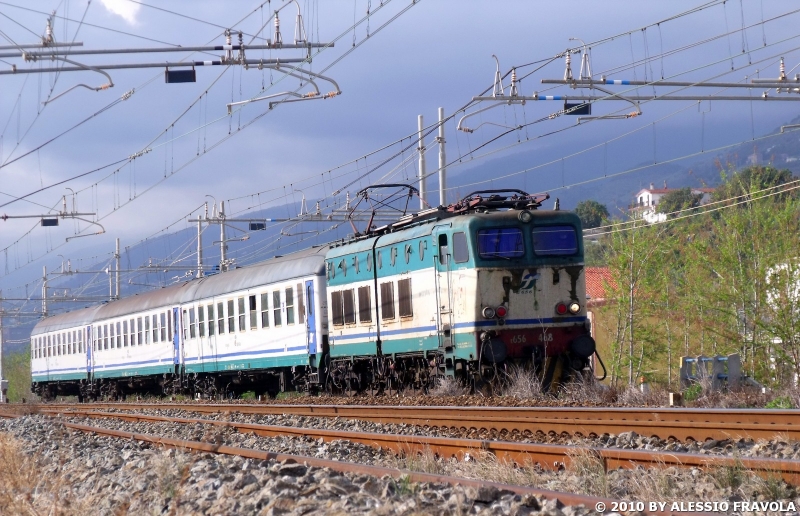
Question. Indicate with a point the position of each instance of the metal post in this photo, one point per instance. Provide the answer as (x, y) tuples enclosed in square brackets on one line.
[(421, 149), (116, 272), (442, 162), (222, 245), (44, 291), (200, 244), (3, 383)]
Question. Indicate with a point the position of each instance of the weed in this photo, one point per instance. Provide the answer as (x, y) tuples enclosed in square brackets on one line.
[(288, 395), (693, 392), (447, 386), (249, 395), (781, 402), (522, 383), (590, 469)]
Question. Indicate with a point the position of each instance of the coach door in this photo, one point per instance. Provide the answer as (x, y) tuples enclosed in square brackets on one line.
[(176, 335), (443, 259), (89, 355), (311, 319)]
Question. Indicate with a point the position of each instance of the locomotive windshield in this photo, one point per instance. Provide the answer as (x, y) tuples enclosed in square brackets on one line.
[(555, 240), (501, 243)]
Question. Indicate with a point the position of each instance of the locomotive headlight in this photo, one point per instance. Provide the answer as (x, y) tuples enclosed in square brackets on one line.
[(488, 312), (525, 216), (574, 308)]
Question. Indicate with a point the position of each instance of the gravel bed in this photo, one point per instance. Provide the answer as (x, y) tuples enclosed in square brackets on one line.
[(81, 472), (777, 448), (585, 475)]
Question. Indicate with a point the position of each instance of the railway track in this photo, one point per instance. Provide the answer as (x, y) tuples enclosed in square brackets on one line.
[(545, 456), (679, 423)]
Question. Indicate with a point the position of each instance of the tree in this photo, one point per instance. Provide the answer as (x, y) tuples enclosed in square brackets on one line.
[(591, 213), (751, 179), (680, 199)]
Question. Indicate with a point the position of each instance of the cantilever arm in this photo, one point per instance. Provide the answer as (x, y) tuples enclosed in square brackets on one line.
[(90, 68)]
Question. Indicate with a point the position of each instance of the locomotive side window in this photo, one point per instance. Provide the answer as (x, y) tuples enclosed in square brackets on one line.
[(231, 317), (369, 261), (460, 250), (337, 306), (555, 241), (276, 307), (443, 249), (221, 318), (349, 305), (253, 313), (364, 304), (356, 265), (290, 305), (393, 256), (242, 315), (387, 300), (265, 310), (301, 307), (408, 253), (501, 243), (423, 244), (404, 291), (211, 320)]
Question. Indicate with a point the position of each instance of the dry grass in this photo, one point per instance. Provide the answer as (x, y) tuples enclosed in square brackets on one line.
[(586, 391), (590, 469), (449, 387), (523, 384)]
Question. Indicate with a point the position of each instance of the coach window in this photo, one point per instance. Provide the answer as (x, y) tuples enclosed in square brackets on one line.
[(192, 324), (125, 333), (155, 328), (119, 334), (408, 253), (444, 251), (393, 256), (147, 329), (105, 336), (69, 343), (201, 321), (81, 347), (113, 336), (253, 312), (265, 310), (290, 305), (276, 307), (58, 344), (231, 316), (163, 317), (211, 319), (423, 244), (337, 308), (369, 261), (301, 307), (356, 265), (387, 300), (220, 318), (139, 331), (186, 324), (242, 315), (460, 249)]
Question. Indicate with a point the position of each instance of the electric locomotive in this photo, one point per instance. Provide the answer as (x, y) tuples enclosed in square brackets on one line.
[(462, 291)]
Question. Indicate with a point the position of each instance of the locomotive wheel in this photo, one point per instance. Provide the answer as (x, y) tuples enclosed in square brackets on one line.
[(352, 385), (393, 386)]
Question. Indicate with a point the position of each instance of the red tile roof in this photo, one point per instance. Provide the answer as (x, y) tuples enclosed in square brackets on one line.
[(596, 280)]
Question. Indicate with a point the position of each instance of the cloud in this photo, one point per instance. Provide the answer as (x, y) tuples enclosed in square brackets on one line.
[(123, 8)]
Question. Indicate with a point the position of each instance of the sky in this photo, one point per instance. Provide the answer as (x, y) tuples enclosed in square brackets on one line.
[(406, 59)]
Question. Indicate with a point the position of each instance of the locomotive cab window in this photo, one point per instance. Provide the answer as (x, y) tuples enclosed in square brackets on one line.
[(337, 308), (501, 243), (387, 300), (555, 241), (348, 303), (443, 249), (460, 249), (364, 304)]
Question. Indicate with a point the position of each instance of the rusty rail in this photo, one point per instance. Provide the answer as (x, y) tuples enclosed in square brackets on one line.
[(679, 423), (345, 467), (546, 456)]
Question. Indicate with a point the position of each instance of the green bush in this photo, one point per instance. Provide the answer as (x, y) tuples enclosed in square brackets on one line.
[(693, 392), (781, 402)]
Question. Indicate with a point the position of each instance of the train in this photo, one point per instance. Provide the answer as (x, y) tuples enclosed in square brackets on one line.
[(464, 291)]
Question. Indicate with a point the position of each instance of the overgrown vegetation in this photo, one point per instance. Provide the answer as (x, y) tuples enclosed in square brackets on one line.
[(718, 280), (17, 370)]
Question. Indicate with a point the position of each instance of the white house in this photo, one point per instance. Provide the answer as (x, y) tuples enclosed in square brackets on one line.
[(647, 200)]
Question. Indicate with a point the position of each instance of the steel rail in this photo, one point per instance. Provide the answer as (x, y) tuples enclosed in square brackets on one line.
[(344, 467), (547, 456), (679, 423)]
